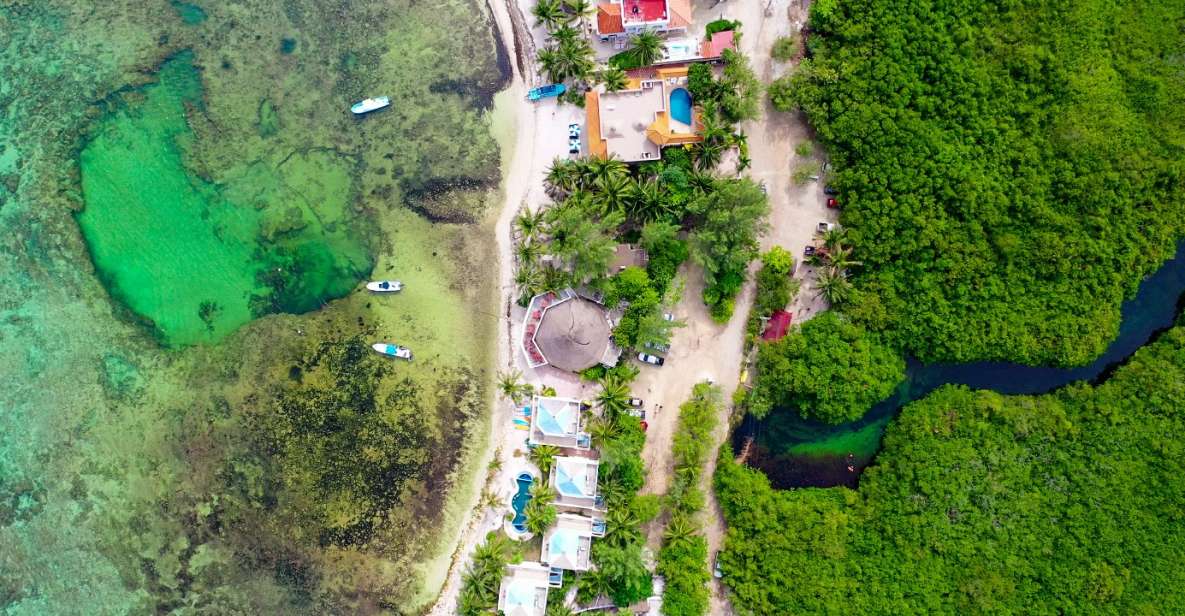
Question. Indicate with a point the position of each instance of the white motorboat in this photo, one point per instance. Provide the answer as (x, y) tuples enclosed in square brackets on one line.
[(392, 350), (370, 104), (384, 286)]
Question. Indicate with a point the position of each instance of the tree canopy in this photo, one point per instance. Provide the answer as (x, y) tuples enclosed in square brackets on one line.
[(1068, 502), (830, 369), (1008, 171)]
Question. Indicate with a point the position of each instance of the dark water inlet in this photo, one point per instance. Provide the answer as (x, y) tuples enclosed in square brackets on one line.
[(795, 452)]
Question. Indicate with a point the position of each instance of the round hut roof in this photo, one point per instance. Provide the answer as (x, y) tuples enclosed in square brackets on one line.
[(573, 335)]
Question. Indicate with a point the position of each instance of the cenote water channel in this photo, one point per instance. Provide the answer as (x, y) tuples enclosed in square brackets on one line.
[(794, 452)]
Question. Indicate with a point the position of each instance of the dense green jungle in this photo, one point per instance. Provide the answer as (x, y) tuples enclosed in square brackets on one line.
[(1065, 503), (1008, 173), (191, 420)]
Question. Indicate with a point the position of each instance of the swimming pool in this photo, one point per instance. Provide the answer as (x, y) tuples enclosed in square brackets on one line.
[(519, 502), (681, 105)]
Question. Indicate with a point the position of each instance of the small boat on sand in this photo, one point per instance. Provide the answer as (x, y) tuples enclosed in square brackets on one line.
[(392, 350), (384, 286), (370, 104)]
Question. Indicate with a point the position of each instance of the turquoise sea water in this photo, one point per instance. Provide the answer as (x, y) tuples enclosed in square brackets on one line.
[(231, 204), (185, 257)]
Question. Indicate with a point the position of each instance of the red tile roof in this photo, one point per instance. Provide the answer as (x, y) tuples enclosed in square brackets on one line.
[(609, 18), (720, 41), (779, 324)]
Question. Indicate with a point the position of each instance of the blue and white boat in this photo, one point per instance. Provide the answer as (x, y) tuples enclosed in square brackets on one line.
[(392, 350), (384, 286), (370, 104)]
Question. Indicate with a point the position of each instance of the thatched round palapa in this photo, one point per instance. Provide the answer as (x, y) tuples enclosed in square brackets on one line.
[(573, 335)]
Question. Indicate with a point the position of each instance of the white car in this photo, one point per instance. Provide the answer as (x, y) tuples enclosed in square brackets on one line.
[(666, 316), (653, 360)]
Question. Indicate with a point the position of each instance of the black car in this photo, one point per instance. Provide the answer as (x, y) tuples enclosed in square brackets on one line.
[(830, 191), (809, 251)]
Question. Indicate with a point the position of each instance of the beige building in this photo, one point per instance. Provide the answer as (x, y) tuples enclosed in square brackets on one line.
[(654, 111), (557, 421), (575, 483)]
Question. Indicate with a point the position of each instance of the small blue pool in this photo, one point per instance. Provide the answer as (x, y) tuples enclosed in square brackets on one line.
[(519, 502), (681, 105)]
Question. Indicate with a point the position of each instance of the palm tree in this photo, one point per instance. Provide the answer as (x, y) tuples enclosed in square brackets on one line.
[(575, 59), (646, 48), (622, 527), (529, 224), (833, 238), (840, 258), (540, 516), (580, 9), (647, 201), (833, 285), (528, 281), (592, 584), (526, 251), (680, 528), (614, 396), (565, 34), (614, 79), (549, 13), (544, 456), (563, 177), (557, 608), (508, 384), (613, 191), (601, 169), (603, 429), (549, 62)]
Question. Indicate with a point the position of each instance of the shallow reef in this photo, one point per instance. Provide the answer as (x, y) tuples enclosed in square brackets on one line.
[(188, 207)]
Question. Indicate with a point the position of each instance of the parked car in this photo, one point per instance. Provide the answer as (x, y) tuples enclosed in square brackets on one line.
[(666, 316), (639, 413), (809, 251), (716, 570), (830, 191), (824, 227), (764, 188), (635, 402), (653, 360), (832, 203)]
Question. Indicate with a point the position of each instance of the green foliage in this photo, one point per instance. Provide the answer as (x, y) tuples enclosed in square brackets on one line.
[(614, 79), (804, 149), (665, 250), (628, 579), (1010, 171), (701, 84), (726, 240), (830, 369), (786, 48), (739, 88), (683, 559), (543, 456), (775, 287), (981, 503), (540, 513), (646, 48), (722, 25), (481, 580)]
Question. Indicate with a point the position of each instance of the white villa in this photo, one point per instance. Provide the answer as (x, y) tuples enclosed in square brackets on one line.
[(575, 483), (557, 421), (524, 590), (568, 543)]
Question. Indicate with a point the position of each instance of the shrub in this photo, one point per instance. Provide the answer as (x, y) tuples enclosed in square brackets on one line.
[(722, 25), (786, 48)]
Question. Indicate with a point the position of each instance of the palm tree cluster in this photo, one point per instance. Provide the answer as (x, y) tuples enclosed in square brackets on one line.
[(594, 199), (568, 54), (479, 584), (832, 282)]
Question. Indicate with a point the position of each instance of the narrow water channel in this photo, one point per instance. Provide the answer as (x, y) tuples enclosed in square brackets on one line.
[(794, 452)]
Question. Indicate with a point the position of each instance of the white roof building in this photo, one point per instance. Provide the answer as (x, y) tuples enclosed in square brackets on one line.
[(524, 590)]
